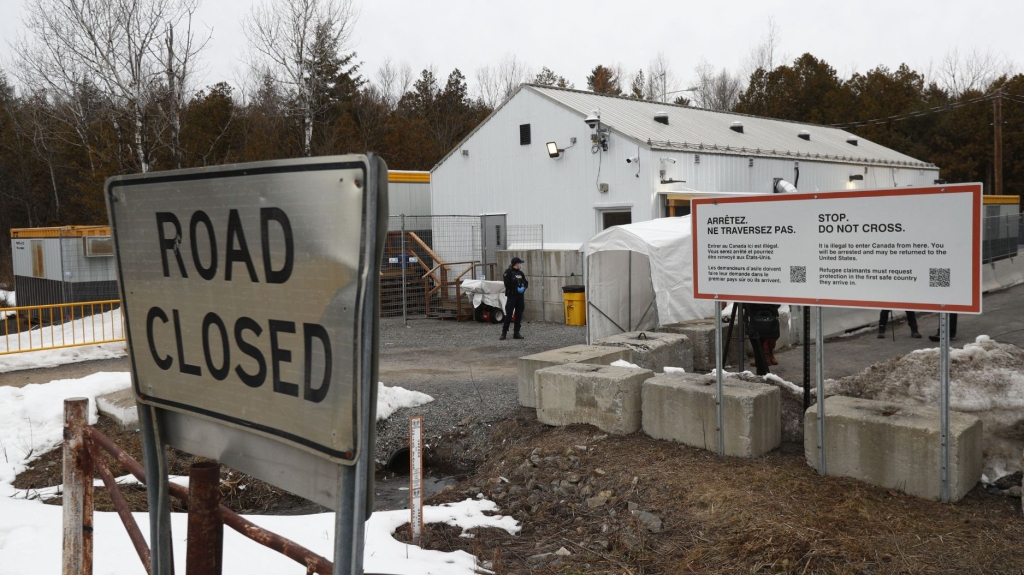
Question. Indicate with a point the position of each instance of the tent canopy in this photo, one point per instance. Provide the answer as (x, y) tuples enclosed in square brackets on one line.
[(640, 276)]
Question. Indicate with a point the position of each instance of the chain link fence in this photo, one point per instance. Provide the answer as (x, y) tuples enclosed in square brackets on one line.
[(426, 259), (1001, 237)]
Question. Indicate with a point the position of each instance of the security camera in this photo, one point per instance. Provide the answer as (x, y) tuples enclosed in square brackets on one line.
[(669, 160), (593, 119), (632, 159)]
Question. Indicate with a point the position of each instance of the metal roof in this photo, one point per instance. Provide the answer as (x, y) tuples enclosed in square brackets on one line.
[(699, 130)]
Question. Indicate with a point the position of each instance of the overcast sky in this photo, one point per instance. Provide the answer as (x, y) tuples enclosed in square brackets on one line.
[(572, 36)]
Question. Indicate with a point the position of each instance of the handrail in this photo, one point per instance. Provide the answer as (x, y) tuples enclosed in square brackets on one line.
[(314, 563)]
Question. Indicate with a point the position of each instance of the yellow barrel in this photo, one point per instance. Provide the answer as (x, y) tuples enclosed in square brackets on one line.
[(575, 300)]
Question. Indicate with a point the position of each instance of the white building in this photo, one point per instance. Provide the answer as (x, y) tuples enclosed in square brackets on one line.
[(675, 153)]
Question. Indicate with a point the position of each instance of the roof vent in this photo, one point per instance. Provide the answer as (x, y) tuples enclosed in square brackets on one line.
[(737, 127), (852, 141), (804, 135), (661, 117)]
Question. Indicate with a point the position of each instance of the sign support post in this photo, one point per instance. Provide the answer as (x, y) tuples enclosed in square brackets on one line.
[(819, 352), (944, 404), (720, 433)]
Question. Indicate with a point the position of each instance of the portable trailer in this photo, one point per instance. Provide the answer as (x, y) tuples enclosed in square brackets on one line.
[(63, 265)]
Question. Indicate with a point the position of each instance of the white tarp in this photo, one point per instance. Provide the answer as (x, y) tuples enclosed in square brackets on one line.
[(491, 293), (617, 261)]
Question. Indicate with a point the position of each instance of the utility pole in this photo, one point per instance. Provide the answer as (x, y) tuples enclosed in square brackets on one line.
[(997, 124)]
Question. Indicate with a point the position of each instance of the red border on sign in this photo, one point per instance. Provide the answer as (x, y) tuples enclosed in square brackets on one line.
[(974, 189)]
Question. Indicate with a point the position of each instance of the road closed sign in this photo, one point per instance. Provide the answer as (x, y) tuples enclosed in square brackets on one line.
[(247, 291), (909, 249)]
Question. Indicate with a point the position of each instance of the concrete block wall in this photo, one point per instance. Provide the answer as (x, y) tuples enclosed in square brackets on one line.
[(701, 333), (895, 446), (548, 271), (653, 350), (604, 396), (528, 365), (682, 408)]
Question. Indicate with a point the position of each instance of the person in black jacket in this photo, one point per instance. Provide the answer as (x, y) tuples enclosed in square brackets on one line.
[(515, 290)]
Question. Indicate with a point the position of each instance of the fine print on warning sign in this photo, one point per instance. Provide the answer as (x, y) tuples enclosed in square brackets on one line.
[(916, 249)]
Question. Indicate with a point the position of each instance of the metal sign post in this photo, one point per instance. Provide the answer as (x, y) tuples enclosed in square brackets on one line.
[(944, 404), (251, 306), (719, 400), (819, 352)]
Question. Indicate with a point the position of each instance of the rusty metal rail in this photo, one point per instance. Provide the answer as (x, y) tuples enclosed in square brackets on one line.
[(81, 456), (39, 327)]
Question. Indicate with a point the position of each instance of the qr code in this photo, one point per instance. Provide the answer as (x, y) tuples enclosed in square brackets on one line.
[(798, 274), (938, 277)]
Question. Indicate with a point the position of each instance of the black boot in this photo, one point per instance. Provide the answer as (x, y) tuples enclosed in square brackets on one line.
[(503, 334), (881, 332), (517, 336), (915, 334)]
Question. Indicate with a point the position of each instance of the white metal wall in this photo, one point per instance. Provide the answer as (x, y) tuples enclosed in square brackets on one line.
[(79, 269), (21, 251), (501, 176), (409, 198)]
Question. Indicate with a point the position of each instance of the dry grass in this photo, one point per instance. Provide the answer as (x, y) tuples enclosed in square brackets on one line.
[(722, 515), (239, 492)]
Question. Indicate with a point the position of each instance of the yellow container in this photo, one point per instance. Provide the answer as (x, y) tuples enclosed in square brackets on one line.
[(575, 305)]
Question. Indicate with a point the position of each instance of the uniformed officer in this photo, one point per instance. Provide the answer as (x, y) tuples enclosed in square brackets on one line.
[(515, 290)]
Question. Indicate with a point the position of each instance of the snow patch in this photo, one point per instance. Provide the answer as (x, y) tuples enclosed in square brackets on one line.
[(31, 423), (624, 363), (391, 399), (674, 370)]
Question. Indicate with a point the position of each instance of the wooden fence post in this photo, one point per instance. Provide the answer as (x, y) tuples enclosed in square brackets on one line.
[(78, 492)]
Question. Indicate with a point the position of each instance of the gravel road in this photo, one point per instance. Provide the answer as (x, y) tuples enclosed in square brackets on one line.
[(470, 374)]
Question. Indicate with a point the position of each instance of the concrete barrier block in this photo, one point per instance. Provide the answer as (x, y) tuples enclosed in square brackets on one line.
[(701, 333), (654, 351), (681, 407), (604, 396), (119, 406), (592, 354), (895, 446)]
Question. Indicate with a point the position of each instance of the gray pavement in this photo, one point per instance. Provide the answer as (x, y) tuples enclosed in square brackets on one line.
[(1002, 320)]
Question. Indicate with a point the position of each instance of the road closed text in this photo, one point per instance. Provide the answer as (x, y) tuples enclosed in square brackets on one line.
[(233, 347)]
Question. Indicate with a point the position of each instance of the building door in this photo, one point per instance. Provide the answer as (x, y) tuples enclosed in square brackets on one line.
[(493, 237)]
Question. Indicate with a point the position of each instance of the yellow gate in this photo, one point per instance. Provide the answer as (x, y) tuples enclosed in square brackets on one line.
[(40, 327)]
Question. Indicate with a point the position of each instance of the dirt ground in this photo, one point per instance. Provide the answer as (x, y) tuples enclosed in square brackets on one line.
[(593, 503)]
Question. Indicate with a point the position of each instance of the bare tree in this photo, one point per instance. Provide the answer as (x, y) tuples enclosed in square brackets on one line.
[(114, 45), (495, 85), (661, 81), (392, 82), (716, 90), (960, 71), (765, 55), (282, 37), (178, 62)]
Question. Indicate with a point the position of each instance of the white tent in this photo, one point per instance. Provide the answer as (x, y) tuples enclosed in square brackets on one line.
[(640, 276)]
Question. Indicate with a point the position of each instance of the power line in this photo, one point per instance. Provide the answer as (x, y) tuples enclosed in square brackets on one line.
[(918, 113)]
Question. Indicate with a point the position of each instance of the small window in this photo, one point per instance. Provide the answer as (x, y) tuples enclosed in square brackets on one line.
[(524, 134), (99, 247), (609, 219)]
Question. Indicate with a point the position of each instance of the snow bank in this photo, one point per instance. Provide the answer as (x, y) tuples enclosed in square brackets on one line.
[(31, 423), (986, 379), (391, 399), (32, 418)]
